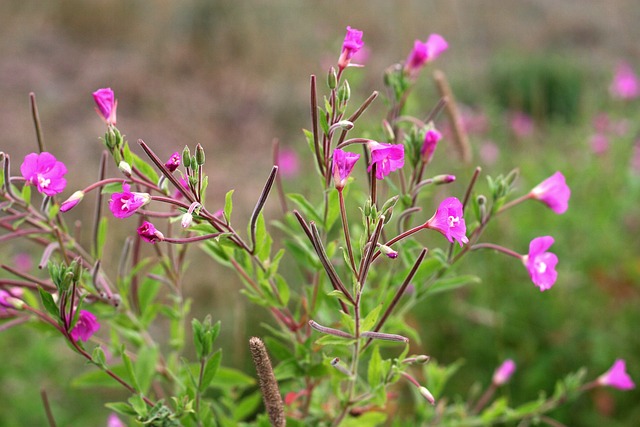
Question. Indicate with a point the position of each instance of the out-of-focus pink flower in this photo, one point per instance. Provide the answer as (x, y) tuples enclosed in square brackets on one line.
[(540, 263), (521, 124), (489, 152), (4, 303), (185, 184), (45, 172), (625, 84), (72, 201), (125, 204), (504, 372), (352, 44), (106, 105), (599, 144), (386, 157), (449, 221), (617, 377), (174, 162), (85, 327), (288, 163), (148, 233), (554, 192), (23, 261), (431, 138), (424, 52), (601, 123), (114, 421), (343, 163)]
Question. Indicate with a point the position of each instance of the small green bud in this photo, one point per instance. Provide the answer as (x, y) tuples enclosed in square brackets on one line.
[(199, 155), (125, 168), (344, 93), (388, 132), (332, 78), (186, 157)]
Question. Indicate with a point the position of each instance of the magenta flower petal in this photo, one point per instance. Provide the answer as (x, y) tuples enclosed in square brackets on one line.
[(424, 52), (626, 84), (45, 172), (72, 201), (617, 377), (431, 138), (174, 162), (504, 372), (114, 421), (554, 192), (386, 157), (148, 233), (106, 105), (85, 327), (449, 221), (125, 204), (343, 163), (352, 44), (540, 263)]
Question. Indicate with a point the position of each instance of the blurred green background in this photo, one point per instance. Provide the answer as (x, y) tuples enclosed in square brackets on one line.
[(233, 75)]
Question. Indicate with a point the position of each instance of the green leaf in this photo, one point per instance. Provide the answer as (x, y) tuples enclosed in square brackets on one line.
[(368, 419), (121, 408), (228, 205), (114, 187), (371, 319), (283, 289), (210, 370), (322, 118), (129, 368), (374, 373), (101, 237), (247, 406), (138, 405), (333, 211), (334, 340), (228, 378), (95, 378), (145, 168), (145, 367), (26, 194), (48, 303), (450, 283), (307, 208)]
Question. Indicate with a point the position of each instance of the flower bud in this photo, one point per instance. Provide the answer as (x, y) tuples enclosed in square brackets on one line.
[(187, 219), (173, 162), (504, 372), (443, 179), (125, 168), (332, 78), (186, 157), (344, 93), (427, 395), (199, 155), (72, 201), (388, 251)]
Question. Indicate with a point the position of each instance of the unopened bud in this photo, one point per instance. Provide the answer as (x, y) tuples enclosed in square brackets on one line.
[(332, 78), (72, 201), (388, 251), (427, 395), (186, 157), (187, 219), (199, 155), (125, 168), (504, 372), (443, 179), (345, 124), (344, 93)]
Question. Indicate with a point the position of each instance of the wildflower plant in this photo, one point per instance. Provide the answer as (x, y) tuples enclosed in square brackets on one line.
[(339, 349)]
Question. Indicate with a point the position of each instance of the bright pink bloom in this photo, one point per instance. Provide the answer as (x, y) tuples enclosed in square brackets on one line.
[(504, 372), (424, 52), (449, 221), (125, 204), (106, 105), (4, 304), (553, 192), (114, 421), (72, 201), (352, 44), (429, 145), (617, 377), (85, 327), (626, 84), (540, 263), (148, 233), (343, 163), (45, 172), (386, 157), (288, 163), (173, 162)]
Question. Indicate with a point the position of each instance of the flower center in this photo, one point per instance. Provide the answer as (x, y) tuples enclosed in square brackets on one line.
[(540, 266), (126, 203), (43, 182), (453, 221)]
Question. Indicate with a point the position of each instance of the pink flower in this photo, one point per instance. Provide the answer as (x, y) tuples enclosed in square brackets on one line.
[(423, 53), (553, 192), (449, 221), (352, 44), (72, 201), (45, 172), (125, 204), (541, 264), (599, 144), (173, 162), (4, 303), (504, 372), (617, 377), (106, 105), (114, 421), (626, 84), (386, 157), (288, 163), (343, 163), (148, 233), (429, 145), (85, 327), (522, 124)]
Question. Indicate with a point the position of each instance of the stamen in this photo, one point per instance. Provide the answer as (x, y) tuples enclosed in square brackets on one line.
[(453, 220)]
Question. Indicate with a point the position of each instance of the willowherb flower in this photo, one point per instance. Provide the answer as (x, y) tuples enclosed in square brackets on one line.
[(504, 372), (72, 201), (106, 105), (540, 263), (424, 52), (449, 221), (625, 84), (343, 163), (174, 162), (125, 204), (114, 421), (386, 157), (554, 192), (617, 377), (352, 44), (288, 163), (521, 124), (148, 233), (431, 138), (45, 172), (85, 327)]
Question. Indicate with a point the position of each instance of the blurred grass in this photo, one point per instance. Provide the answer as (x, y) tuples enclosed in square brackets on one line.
[(234, 75)]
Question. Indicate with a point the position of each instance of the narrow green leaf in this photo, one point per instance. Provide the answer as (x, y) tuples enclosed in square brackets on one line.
[(48, 303), (101, 237), (228, 205), (129, 369), (210, 370), (371, 319), (26, 194), (307, 208), (145, 367), (374, 373), (145, 168), (247, 406)]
